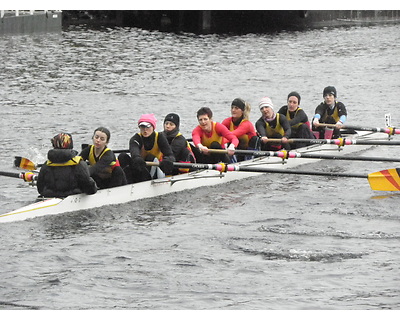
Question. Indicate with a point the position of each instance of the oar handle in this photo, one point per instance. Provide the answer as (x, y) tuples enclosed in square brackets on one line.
[(329, 125), (219, 151), (279, 140)]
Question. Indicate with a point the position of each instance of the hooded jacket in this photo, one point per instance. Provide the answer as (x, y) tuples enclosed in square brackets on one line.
[(64, 174)]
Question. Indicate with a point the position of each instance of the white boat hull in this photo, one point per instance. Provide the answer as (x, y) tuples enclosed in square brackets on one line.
[(159, 187)]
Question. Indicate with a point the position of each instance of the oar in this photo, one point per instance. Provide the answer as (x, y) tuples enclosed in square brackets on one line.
[(185, 165), (27, 164), (27, 176), (10, 174), (291, 154), (385, 180), (24, 163), (342, 141), (388, 130)]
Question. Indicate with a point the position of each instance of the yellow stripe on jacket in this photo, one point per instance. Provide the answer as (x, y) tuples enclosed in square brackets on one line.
[(278, 129), (92, 157), (154, 151), (288, 117), (73, 162)]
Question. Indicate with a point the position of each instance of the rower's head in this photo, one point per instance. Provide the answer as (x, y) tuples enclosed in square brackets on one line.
[(147, 124), (240, 109), (101, 137), (105, 131), (329, 90), (62, 141), (266, 107), (329, 95), (204, 111), (171, 122), (293, 100), (204, 117)]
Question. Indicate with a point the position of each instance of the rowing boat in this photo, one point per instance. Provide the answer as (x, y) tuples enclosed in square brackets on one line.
[(178, 183)]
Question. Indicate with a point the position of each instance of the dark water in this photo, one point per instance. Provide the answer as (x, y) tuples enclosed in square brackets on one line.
[(270, 242)]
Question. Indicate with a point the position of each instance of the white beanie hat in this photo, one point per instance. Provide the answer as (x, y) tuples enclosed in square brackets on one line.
[(266, 102)]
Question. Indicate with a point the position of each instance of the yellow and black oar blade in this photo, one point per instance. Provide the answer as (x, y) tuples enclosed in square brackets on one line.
[(24, 163), (385, 180)]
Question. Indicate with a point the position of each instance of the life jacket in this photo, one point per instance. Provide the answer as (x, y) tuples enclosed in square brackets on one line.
[(72, 162), (277, 129), (92, 158), (206, 140), (243, 139), (289, 118), (154, 151), (334, 115)]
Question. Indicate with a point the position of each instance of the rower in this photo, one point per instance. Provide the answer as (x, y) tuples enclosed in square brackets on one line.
[(104, 167), (329, 112), (212, 135), (240, 125), (272, 125), (147, 145), (298, 119), (179, 145)]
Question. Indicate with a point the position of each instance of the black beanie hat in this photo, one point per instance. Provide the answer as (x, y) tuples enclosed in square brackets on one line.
[(173, 117), (238, 103), (329, 90), (294, 94)]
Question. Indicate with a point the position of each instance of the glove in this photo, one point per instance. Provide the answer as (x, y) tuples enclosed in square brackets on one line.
[(166, 166), (231, 147), (139, 163)]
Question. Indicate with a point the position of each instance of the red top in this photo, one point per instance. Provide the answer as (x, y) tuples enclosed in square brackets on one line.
[(220, 130), (244, 128)]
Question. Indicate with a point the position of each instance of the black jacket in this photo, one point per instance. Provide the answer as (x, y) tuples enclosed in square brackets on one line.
[(327, 114), (179, 145), (262, 131), (137, 142), (63, 180), (296, 117)]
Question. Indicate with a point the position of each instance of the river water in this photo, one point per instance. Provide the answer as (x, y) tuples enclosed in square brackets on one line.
[(274, 242)]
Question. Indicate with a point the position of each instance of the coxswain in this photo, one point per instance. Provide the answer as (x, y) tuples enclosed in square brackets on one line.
[(64, 173)]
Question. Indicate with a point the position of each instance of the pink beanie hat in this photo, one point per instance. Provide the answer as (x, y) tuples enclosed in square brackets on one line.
[(147, 119)]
